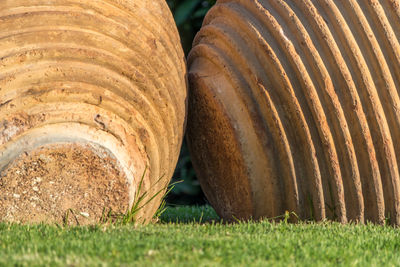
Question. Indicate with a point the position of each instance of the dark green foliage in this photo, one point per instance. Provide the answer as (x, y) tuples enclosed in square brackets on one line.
[(186, 190), (189, 16)]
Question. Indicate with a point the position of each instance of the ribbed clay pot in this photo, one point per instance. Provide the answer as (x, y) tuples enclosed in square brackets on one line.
[(91, 94), (294, 106)]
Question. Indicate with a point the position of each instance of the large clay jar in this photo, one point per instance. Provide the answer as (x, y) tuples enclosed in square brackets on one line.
[(294, 106), (92, 107)]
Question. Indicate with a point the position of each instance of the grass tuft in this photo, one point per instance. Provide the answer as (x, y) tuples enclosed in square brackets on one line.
[(141, 199)]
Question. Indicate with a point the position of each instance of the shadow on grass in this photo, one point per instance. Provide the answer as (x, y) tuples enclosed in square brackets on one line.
[(189, 214)]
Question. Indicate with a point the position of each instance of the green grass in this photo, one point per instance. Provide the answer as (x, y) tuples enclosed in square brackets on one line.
[(191, 243)]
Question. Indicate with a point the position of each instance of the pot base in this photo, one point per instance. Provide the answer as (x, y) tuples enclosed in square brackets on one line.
[(53, 181)]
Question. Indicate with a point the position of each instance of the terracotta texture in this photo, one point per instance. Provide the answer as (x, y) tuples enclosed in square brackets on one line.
[(91, 92), (294, 106)]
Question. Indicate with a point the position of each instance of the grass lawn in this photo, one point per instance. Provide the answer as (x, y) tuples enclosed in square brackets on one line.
[(186, 237)]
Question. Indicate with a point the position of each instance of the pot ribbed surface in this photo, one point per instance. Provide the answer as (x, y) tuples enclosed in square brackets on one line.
[(104, 73), (294, 106)]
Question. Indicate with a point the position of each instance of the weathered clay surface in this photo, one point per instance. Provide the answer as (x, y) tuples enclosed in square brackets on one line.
[(294, 106), (79, 79)]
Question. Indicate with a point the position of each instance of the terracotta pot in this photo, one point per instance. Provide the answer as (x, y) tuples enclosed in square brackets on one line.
[(91, 93), (294, 106)]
